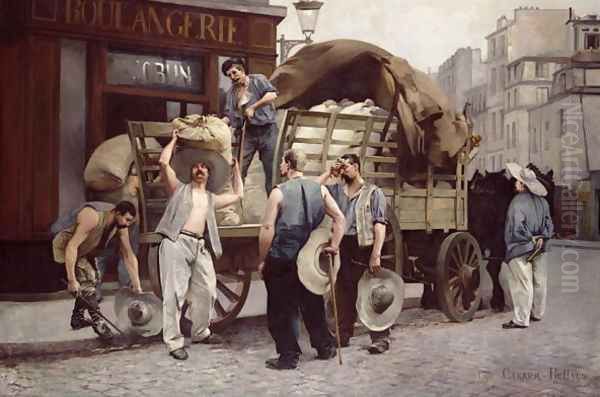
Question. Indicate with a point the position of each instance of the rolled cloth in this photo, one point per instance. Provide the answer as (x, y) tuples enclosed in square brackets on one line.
[(356, 70)]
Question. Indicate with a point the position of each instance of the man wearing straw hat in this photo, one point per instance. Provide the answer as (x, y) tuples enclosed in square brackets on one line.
[(528, 226), (190, 235), (363, 205), (294, 209)]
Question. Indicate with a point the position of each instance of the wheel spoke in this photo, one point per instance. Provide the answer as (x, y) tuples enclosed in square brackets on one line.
[(220, 309), (231, 295), (232, 277), (458, 250), (457, 261)]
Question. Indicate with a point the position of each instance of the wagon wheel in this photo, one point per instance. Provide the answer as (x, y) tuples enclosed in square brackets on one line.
[(457, 276), (232, 290)]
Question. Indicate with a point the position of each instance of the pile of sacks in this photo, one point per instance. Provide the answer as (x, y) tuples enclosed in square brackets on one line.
[(345, 106)]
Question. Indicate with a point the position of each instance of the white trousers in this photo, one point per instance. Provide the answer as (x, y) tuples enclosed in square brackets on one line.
[(186, 273), (527, 287)]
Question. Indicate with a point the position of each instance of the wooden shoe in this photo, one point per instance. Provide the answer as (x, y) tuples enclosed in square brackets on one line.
[(511, 325)]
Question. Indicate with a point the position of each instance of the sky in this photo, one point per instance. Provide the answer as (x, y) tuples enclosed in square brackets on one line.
[(425, 32)]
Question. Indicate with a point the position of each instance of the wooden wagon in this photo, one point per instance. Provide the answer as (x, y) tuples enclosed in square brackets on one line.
[(426, 241)]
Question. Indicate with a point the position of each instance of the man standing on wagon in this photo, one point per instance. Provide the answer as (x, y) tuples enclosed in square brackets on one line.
[(294, 209), (363, 205), (528, 227), (190, 233), (250, 100)]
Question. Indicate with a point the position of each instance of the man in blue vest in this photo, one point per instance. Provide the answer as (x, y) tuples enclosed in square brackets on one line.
[(190, 234), (294, 209), (363, 205)]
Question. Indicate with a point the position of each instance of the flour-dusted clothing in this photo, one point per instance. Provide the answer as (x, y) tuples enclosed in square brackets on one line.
[(528, 216), (361, 211), (177, 213), (258, 86), (186, 273)]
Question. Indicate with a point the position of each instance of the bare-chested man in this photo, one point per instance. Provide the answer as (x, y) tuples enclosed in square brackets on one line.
[(190, 230)]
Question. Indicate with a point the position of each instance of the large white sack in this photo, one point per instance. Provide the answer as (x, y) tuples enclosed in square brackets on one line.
[(109, 165)]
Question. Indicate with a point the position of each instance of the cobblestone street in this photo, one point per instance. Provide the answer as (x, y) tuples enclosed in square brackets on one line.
[(430, 356)]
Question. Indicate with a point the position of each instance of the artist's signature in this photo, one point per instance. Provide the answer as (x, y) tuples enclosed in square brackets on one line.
[(552, 374)]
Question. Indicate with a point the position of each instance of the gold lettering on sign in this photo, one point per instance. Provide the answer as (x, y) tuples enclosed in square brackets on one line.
[(169, 22), (155, 21), (207, 27), (231, 29), (184, 30), (140, 19)]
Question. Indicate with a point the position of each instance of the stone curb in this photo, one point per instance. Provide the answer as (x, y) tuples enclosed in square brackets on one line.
[(81, 347)]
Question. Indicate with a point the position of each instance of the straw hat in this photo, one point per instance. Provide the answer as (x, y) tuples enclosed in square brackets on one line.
[(313, 262), (527, 177), (184, 159), (138, 314), (379, 299)]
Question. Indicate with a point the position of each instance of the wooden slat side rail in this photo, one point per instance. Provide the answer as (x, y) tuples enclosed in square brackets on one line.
[(365, 139), (369, 174), (318, 156), (328, 138), (388, 145), (382, 159)]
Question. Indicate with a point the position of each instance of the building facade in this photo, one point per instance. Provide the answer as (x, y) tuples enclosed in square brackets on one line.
[(73, 72), (459, 73)]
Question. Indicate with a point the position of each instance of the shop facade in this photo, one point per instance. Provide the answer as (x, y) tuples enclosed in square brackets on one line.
[(73, 72)]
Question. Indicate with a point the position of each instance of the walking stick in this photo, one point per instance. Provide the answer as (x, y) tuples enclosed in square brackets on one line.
[(335, 313), (99, 313)]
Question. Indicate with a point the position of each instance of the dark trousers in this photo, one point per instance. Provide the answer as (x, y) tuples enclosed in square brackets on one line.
[(347, 286), (261, 139), (286, 297)]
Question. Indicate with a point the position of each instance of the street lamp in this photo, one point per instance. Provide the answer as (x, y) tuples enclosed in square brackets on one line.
[(308, 12)]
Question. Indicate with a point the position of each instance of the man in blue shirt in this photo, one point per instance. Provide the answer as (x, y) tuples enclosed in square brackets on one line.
[(250, 100), (363, 205), (528, 226)]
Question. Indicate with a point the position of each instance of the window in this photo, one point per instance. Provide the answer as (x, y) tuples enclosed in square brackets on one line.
[(563, 81), (493, 47), (502, 78), (494, 129), (493, 163), (500, 163), (542, 95), (514, 134), (516, 97), (507, 136), (534, 141), (508, 102), (592, 41), (541, 70), (493, 81), (502, 131), (547, 136), (501, 45)]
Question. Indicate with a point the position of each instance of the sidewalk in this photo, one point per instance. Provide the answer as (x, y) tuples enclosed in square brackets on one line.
[(43, 326)]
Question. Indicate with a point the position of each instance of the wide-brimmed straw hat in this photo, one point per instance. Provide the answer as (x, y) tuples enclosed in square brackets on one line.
[(184, 159), (379, 299), (313, 261), (138, 314), (527, 177)]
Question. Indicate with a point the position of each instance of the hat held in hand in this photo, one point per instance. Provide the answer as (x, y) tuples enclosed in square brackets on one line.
[(380, 298), (138, 314)]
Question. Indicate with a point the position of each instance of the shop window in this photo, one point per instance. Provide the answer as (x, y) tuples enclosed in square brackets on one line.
[(592, 41), (151, 71)]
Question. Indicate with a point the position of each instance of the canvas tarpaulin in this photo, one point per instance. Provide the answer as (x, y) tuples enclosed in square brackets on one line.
[(356, 70)]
